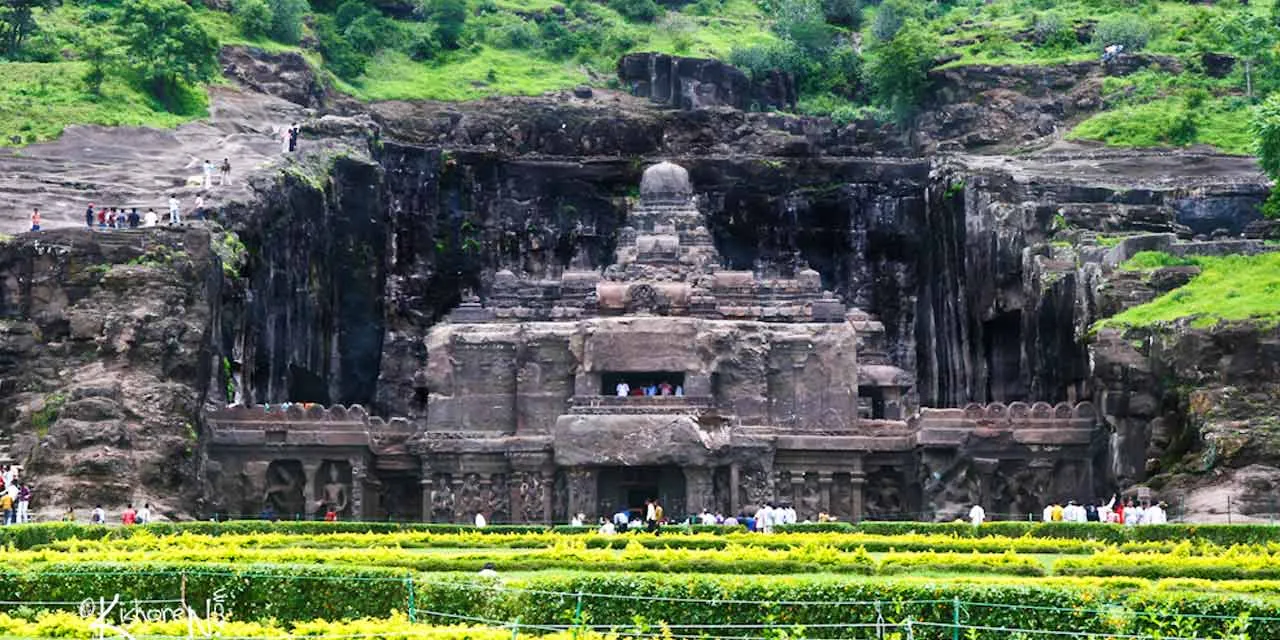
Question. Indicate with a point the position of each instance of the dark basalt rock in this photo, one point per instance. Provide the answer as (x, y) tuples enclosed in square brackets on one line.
[(284, 75), (697, 83)]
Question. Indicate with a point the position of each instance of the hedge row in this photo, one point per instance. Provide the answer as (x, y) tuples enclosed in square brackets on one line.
[(1232, 565), (1108, 608), (414, 540), (68, 625), (286, 593), (292, 594), (28, 536), (1220, 534), (735, 560)]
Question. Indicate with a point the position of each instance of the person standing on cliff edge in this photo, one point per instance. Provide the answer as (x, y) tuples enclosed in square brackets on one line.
[(35, 219)]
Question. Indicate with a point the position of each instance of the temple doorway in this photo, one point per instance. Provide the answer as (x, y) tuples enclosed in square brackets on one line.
[(629, 487)]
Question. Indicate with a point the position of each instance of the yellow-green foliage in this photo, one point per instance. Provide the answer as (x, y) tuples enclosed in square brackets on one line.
[(1228, 288), (69, 625)]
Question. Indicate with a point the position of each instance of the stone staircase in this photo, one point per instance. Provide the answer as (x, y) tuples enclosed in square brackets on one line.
[(136, 167)]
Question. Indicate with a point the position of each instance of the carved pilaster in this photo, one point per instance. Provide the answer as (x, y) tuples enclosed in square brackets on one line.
[(825, 480), (857, 486), (698, 488), (425, 481), (582, 491), (358, 476)]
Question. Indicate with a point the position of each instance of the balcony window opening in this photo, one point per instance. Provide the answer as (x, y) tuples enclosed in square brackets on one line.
[(642, 383)]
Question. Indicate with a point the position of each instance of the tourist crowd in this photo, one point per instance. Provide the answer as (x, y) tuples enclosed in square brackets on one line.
[(117, 218), (15, 497)]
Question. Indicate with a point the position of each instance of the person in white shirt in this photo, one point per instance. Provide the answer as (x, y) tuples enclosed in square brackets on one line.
[(606, 528), (706, 517), (488, 571), (144, 514), (977, 514), (480, 521), (174, 213), (1048, 513), (1155, 514), (208, 174), (1134, 515), (623, 389), (790, 515), (151, 219), (764, 518), (98, 516)]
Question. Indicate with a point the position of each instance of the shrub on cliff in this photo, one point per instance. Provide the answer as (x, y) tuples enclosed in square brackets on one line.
[(253, 16), (892, 16), (1125, 29), (898, 69), (1265, 126), (286, 20), (637, 10), (339, 56)]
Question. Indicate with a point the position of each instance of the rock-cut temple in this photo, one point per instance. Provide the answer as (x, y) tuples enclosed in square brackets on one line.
[(667, 376)]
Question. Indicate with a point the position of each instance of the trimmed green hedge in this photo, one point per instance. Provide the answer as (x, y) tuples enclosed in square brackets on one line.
[(1220, 534), (26, 536), (248, 591), (620, 600)]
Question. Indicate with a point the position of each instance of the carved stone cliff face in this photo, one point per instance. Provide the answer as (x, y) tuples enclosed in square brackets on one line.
[(107, 363)]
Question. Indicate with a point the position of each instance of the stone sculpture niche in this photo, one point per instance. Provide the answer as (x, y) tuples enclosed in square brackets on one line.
[(333, 487), (284, 484)]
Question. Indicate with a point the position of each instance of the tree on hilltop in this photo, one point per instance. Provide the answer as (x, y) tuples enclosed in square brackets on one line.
[(17, 21), (166, 47)]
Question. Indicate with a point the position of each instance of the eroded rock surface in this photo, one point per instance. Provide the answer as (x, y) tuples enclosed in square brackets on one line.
[(107, 361)]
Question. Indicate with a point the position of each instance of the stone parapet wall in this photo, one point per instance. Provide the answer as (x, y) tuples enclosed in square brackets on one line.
[(1037, 423), (316, 417)]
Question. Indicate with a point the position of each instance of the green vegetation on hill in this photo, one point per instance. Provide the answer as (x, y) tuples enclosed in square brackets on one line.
[(143, 61), (1227, 288)]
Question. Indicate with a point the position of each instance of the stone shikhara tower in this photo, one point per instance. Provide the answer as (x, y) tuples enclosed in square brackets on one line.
[(738, 388)]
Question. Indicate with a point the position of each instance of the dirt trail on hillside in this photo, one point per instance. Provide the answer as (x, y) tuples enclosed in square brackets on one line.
[(139, 167)]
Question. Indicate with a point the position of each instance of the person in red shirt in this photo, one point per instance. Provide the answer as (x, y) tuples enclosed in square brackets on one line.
[(330, 515), (129, 517)]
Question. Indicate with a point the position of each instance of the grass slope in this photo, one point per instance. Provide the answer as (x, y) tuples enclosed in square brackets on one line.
[(37, 100), (1228, 288)]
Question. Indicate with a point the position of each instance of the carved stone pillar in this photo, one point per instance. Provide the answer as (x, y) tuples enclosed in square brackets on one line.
[(857, 483), (735, 499), (797, 494), (582, 492), (358, 476), (425, 482), (825, 480), (698, 489), (548, 491), (456, 482), (309, 502)]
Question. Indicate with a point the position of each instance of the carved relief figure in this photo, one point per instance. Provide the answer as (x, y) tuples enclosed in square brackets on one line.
[(442, 499), (809, 500), (500, 499), (883, 496), (471, 499), (334, 493), (284, 482), (756, 487), (532, 489)]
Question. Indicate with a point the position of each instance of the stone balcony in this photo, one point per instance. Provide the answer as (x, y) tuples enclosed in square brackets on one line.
[(640, 405)]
